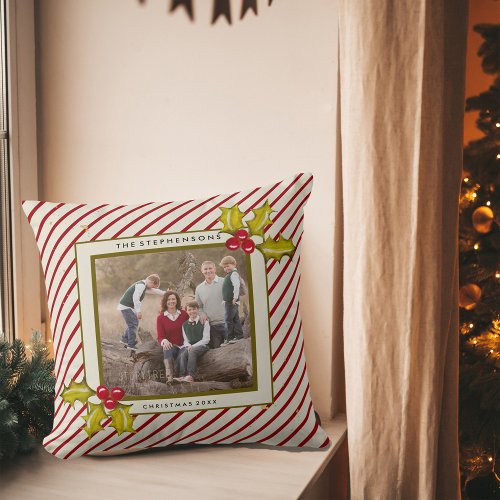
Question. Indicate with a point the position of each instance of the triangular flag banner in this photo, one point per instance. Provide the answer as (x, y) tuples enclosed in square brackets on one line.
[(247, 5), (222, 8), (187, 4)]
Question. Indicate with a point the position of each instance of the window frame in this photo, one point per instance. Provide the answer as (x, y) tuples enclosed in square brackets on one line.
[(23, 159)]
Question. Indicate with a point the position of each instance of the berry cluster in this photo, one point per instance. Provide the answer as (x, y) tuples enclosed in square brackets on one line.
[(241, 239), (110, 398)]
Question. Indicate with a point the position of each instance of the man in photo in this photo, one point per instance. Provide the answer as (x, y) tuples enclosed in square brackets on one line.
[(130, 306), (208, 295)]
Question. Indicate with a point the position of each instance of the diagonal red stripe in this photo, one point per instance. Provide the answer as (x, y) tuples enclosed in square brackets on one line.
[(292, 373), (297, 227), (77, 414), (86, 440), (298, 428), (45, 217), (310, 435), (289, 202), (281, 297), (186, 214), (62, 418), (258, 415), (213, 223), (77, 327), (121, 217), (277, 280), (79, 348), (156, 431), (191, 224), (69, 227), (285, 338), (35, 209), (288, 420), (274, 262), (325, 443), (161, 217), (286, 190), (75, 376), (131, 223), (278, 326), (189, 422), (210, 422), (61, 219), (299, 207), (70, 246), (54, 330), (278, 413), (290, 352), (145, 424), (53, 305), (224, 427)]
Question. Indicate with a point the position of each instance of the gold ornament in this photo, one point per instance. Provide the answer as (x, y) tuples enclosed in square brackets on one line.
[(482, 219), (469, 296)]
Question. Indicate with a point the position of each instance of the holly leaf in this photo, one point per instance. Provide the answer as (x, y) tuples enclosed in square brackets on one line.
[(260, 220), (232, 218), (95, 415), (122, 420), (272, 249), (77, 391)]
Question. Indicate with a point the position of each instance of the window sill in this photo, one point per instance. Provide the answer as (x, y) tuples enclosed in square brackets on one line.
[(190, 472)]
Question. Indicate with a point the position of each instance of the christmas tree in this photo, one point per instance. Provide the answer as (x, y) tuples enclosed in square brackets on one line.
[(26, 395), (479, 295)]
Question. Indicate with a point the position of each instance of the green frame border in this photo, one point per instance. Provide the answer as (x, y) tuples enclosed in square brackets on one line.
[(156, 250)]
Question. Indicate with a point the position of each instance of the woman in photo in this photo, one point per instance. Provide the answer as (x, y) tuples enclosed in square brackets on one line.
[(169, 330)]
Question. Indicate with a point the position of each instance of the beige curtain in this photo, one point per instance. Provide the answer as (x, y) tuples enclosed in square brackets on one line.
[(402, 66)]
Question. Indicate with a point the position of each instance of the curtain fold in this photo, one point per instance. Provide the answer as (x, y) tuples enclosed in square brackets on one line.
[(402, 76)]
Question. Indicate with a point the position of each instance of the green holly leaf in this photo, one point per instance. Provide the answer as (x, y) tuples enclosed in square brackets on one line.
[(77, 391), (95, 415), (122, 420), (232, 218), (272, 249), (261, 219)]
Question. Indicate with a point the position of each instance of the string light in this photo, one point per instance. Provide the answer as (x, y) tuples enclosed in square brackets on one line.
[(497, 125), (488, 203), (497, 275), (467, 179), (476, 246), (471, 325), (490, 459), (474, 195), (498, 156), (475, 342)]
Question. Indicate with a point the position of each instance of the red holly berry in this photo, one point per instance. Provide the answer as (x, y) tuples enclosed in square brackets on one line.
[(248, 246), (110, 404), (241, 234), (117, 393), (102, 392), (233, 243)]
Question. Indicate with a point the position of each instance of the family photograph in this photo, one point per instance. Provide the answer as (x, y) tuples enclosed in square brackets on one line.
[(174, 321)]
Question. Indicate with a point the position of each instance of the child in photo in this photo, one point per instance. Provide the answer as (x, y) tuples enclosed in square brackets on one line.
[(130, 306), (231, 288), (196, 338)]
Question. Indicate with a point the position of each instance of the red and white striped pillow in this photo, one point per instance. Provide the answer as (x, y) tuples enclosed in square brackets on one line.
[(276, 409)]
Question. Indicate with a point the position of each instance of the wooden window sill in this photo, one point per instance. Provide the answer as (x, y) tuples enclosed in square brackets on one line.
[(191, 472)]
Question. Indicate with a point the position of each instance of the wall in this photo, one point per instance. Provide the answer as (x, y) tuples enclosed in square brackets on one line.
[(138, 105)]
